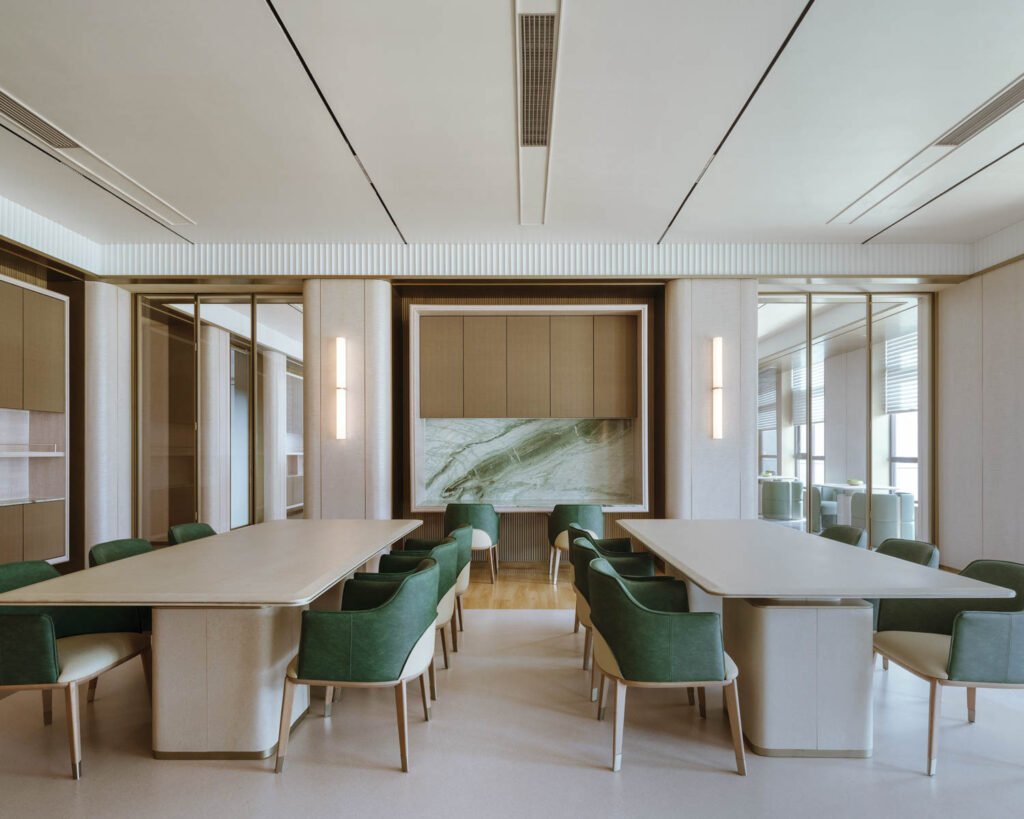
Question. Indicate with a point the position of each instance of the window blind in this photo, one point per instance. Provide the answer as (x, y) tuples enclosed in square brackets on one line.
[(767, 398), (901, 373), (799, 385)]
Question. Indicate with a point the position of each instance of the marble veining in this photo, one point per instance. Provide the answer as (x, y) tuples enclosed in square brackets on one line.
[(526, 461)]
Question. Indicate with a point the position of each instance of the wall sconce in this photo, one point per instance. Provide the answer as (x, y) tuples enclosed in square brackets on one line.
[(716, 387), (341, 423)]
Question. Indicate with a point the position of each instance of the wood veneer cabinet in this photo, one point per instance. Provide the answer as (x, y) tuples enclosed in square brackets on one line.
[(43, 530), (483, 367), (11, 529), (615, 366), (11, 346), (44, 346), (572, 366), (441, 366), (529, 366)]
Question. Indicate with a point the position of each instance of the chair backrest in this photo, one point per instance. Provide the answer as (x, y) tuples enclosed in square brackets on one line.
[(885, 515), (913, 551), (581, 552), (782, 500), (1003, 573), (24, 573), (586, 515), (112, 550), (184, 532), (463, 536), (908, 515), (446, 554), (478, 515), (818, 496), (853, 535)]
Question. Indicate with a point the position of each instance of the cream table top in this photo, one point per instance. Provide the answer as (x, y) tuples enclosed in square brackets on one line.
[(279, 563), (755, 558)]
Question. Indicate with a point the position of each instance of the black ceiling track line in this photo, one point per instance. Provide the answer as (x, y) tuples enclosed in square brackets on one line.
[(736, 119), (943, 193), (337, 123), (103, 188)]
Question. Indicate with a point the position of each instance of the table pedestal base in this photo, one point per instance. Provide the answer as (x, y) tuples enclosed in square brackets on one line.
[(805, 675), (218, 679)]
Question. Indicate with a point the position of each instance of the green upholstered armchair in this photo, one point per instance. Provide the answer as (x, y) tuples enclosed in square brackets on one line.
[(464, 538), (824, 507), (634, 565), (962, 643), (586, 516), (382, 637), (850, 535), (47, 648), (184, 532), (782, 500), (645, 635), (605, 546), (113, 550), (485, 522), (913, 551)]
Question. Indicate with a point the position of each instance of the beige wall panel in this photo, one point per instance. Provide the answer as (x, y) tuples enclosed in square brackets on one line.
[(441, 355), (44, 352), (529, 366), (572, 366), (44, 530), (11, 546), (483, 370), (615, 366), (11, 346)]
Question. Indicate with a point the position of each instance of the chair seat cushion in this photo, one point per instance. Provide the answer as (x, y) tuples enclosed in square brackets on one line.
[(917, 651), (481, 540), (84, 655)]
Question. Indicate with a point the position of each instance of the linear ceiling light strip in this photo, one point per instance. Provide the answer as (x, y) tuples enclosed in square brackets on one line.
[(742, 111), (337, 123)]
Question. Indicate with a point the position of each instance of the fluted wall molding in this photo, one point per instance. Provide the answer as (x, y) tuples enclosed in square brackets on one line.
[(1000, 247), (26, 227)]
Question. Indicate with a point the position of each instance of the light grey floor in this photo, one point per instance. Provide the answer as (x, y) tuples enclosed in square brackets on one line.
[(513, 735)]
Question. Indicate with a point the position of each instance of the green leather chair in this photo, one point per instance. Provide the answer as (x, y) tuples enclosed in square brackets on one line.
[(485, 522), (604, 545), (184, 532), (961, 643), (587, 516), (850, 535), (782, 500), (913, 551), (824, 507), (46, 648), (112, 550), (645, 636), (634, 565), (464, 538), (382, 637)]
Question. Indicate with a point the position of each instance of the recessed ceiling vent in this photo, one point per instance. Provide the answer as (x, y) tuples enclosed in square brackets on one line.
[(997, 107), (30, 122), (537, 77)]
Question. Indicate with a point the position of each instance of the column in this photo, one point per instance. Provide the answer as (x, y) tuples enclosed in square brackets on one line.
[(215, 428), (274, 398)]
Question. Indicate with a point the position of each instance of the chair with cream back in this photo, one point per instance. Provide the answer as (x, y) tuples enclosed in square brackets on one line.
[(485, 523), (586, 516)]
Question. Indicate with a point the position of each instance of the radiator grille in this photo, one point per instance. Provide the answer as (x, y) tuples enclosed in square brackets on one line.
[(14, 110)]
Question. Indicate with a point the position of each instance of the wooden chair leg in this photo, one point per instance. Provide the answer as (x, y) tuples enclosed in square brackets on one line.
[(455, 632), (551, 560), (588, 646), (491, 564), (74, 730), (885, 664), (731, 695), (593, 680), (92, 689), (702, 703), (47, 706), (601, 692), (620, 721), (423, 696), (972, 702), (147, 669), (403, 723), (444, 646), (328, 700), (554, 573), (497, 562), (576, 623), (286, 724), (934, 707), (458, 610), (432, 676), (689, 696)]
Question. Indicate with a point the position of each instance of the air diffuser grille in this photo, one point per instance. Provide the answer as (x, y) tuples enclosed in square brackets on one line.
[(536, 61), (26, 119), (980, 120)]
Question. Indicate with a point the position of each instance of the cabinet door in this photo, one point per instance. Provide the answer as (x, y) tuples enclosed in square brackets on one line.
[(11, 350), (529, 366), (441, 367), (615, 366), (11, 549), (44, 530), (44, 352), (572, 366), (483, 366)]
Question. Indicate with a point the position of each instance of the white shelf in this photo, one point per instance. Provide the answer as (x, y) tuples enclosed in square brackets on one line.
[(30, 454), (25, 501)]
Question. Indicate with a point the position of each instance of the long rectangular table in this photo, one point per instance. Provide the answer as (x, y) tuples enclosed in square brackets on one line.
[(795, 622), (226, 617)]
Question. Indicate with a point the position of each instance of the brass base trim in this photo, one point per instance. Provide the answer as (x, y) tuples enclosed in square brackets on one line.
[(269, 752), (809, 753)]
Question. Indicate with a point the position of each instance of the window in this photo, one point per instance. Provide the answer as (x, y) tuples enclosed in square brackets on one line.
[(767, 423), (768, 451), (901, 406), (903, 451)]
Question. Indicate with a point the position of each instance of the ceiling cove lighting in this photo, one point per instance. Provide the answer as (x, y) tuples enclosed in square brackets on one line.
[(716, 387), (341, 384)]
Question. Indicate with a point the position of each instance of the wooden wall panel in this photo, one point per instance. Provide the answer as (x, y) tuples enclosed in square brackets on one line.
[(11, 548), (11, 346), (529, 366), (483, 366), (572, 366), (615, 367), (44, 530), (44, 352), (441, 377)]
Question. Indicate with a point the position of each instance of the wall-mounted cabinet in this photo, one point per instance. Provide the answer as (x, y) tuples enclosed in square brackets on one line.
[(33, 423)]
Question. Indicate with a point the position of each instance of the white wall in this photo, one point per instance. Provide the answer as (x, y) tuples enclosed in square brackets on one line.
[(705, 478), (980, 412), (349, 478), (846, 387)]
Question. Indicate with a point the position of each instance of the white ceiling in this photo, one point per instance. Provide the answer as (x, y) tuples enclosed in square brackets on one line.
[(207, 105)]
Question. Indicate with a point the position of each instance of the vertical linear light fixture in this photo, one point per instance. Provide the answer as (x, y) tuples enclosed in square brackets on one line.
[(341, 409), (716, 387)]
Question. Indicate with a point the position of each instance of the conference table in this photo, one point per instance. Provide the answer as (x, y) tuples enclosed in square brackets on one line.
[(796, 623), (226, 618)]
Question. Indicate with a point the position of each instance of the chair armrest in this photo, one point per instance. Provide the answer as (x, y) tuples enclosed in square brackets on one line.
[(368, 591), (661, 598), (987, 646), (401, 562), (931, 616), (613, 545), (28, 649), (638, 564)]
